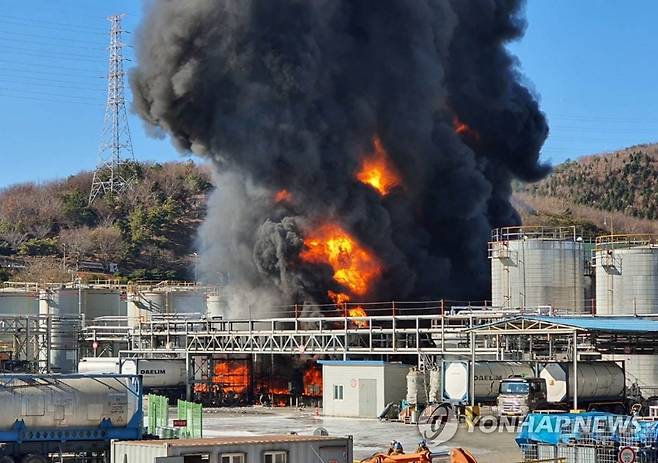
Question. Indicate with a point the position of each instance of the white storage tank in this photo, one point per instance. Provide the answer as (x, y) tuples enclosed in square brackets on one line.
[(159, 374), (62, 306), (103, 303), (596, 381), (99, 365), (141, 304), (216, 306), (18, 302), (456, 379), (537, 266), (187, 302), (626, 274), (626, 271)]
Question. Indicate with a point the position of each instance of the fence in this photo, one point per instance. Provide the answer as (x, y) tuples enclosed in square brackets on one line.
[(588, 438)]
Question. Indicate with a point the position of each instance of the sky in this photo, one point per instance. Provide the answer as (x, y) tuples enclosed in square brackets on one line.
[(591, 63)]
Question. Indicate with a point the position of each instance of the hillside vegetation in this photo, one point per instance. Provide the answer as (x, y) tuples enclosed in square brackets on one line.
[(48, 230), (622, 181)]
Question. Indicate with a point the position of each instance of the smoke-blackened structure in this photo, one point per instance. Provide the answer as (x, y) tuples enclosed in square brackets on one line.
[(356, 142)]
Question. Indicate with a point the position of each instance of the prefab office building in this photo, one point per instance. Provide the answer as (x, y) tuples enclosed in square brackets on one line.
[(361, 389)]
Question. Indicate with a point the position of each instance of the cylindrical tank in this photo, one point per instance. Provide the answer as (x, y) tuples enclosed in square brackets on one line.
[(186, 301), (76, 402), (626, 274), (456, 379), (435, 385), (141, 304), (596, 381), (216, 306), (99, 365), (157, 373), (103, 303), (416, 392), (62, 307), (17, 302), (627, 283), (537, 266)]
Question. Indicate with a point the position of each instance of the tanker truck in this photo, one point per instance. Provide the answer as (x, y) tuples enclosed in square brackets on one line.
[(162, 376), (488, 375), (601, 386), (44, 415)]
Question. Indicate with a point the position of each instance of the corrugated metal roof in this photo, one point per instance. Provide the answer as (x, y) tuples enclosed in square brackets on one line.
[(604, 324), (231, 440)]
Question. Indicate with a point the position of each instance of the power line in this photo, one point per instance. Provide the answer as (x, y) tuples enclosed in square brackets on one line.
[(68, 68), (49, 38), (31, 71), (58, 55), (49, 100), (36, 92), (41, 21), (28, 77), (70, 87)]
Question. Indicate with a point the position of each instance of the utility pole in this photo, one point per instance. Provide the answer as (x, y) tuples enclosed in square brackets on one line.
[(116, 148)]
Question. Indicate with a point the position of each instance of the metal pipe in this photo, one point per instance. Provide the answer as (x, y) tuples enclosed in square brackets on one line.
[(575, 370)]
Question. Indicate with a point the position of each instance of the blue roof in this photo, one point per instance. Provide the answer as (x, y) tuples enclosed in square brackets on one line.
[(606, 324)]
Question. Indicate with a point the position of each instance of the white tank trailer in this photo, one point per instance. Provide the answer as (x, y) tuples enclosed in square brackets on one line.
[(457, 376), (157, 375), (43, 414), (537, 266), (626, 284), (597, 381)]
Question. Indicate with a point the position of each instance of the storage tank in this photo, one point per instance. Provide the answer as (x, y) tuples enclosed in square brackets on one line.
[(17, 302), (456, 379), (186, 301), (99, 365), (62, 307), (216, 306), (170, 373), (596, 381), (537, 266), (416, 392), (52, 402), (157, 374), (141, 304), (103, 303), (626, 271), (626, 274)]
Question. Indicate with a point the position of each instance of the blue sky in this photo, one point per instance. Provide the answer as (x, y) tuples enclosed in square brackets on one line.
[(591, 63)]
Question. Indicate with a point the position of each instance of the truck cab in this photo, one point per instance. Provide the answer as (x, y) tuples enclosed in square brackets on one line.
[(519, 396)]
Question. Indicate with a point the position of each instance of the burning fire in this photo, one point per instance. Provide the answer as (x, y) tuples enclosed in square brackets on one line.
[(341, 299), (313, 381), (378, 171), (232, 376), (282, 196), (354, 266), (463, 129)]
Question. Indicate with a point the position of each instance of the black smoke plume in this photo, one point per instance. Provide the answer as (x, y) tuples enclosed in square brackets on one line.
[(288, 94)]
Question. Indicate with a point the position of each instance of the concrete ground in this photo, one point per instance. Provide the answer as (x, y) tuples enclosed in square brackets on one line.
[(370, 435)]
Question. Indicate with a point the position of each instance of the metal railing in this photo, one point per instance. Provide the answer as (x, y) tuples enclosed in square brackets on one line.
[(534, 233)]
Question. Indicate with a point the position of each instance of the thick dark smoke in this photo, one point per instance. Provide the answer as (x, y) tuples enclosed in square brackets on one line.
[(290, 93)]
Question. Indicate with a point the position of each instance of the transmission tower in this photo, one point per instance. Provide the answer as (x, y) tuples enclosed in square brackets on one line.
[(116, 148)]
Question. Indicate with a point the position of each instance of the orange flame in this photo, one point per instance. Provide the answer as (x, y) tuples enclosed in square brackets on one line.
[(341, 299), (282, 196), (233, 376), (464, 130), (313, 381), (354, 266), (378, 171)]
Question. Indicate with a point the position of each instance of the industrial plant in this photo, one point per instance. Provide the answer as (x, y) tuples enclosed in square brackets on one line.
[(543, 343), (361, 283)]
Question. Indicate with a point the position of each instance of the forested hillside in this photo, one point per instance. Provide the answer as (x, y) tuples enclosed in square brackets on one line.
[(49, 230)]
